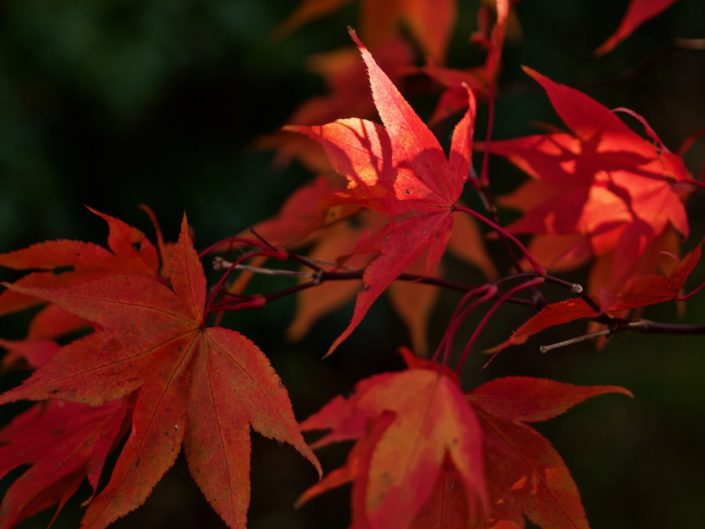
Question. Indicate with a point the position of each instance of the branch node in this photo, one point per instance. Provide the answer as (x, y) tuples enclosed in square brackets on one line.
[(577, 288)]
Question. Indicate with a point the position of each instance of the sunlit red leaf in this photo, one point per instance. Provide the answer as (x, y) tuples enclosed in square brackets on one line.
[(399, 169), (603, 185)]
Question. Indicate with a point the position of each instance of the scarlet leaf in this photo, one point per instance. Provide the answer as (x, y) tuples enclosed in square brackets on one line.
[(603, 183), (400, 170), (638, 12), (205, 387)]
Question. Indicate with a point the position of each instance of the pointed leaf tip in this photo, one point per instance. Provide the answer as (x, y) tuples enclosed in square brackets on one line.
[(354, 37), (535, 75)]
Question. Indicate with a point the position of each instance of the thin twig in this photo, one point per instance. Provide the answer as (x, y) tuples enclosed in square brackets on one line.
[(640, 326), (223, 264), (577, 339)]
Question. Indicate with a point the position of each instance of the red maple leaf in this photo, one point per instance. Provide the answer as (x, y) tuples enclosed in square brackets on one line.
[(417, 461), (407, 424), (602, 187), (201, 386), (638, 12), (401, 170)]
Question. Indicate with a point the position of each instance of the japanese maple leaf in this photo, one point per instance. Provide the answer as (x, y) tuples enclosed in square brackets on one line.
[(638, 12), (66, 262), (401, 170), (639, 291), (430, 21), (523, 474), (201, 386), (407, 425), (63, 443), (602, 187)]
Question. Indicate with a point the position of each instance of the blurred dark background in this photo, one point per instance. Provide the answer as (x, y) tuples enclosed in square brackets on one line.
[(113, 103)]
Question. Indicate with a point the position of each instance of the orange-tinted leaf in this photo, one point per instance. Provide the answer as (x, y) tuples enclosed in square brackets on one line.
[(408, 425), (205, 387), (467, 243), (312, 304), (399, 169), (414, 303), (638, 12), (431, 23)]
